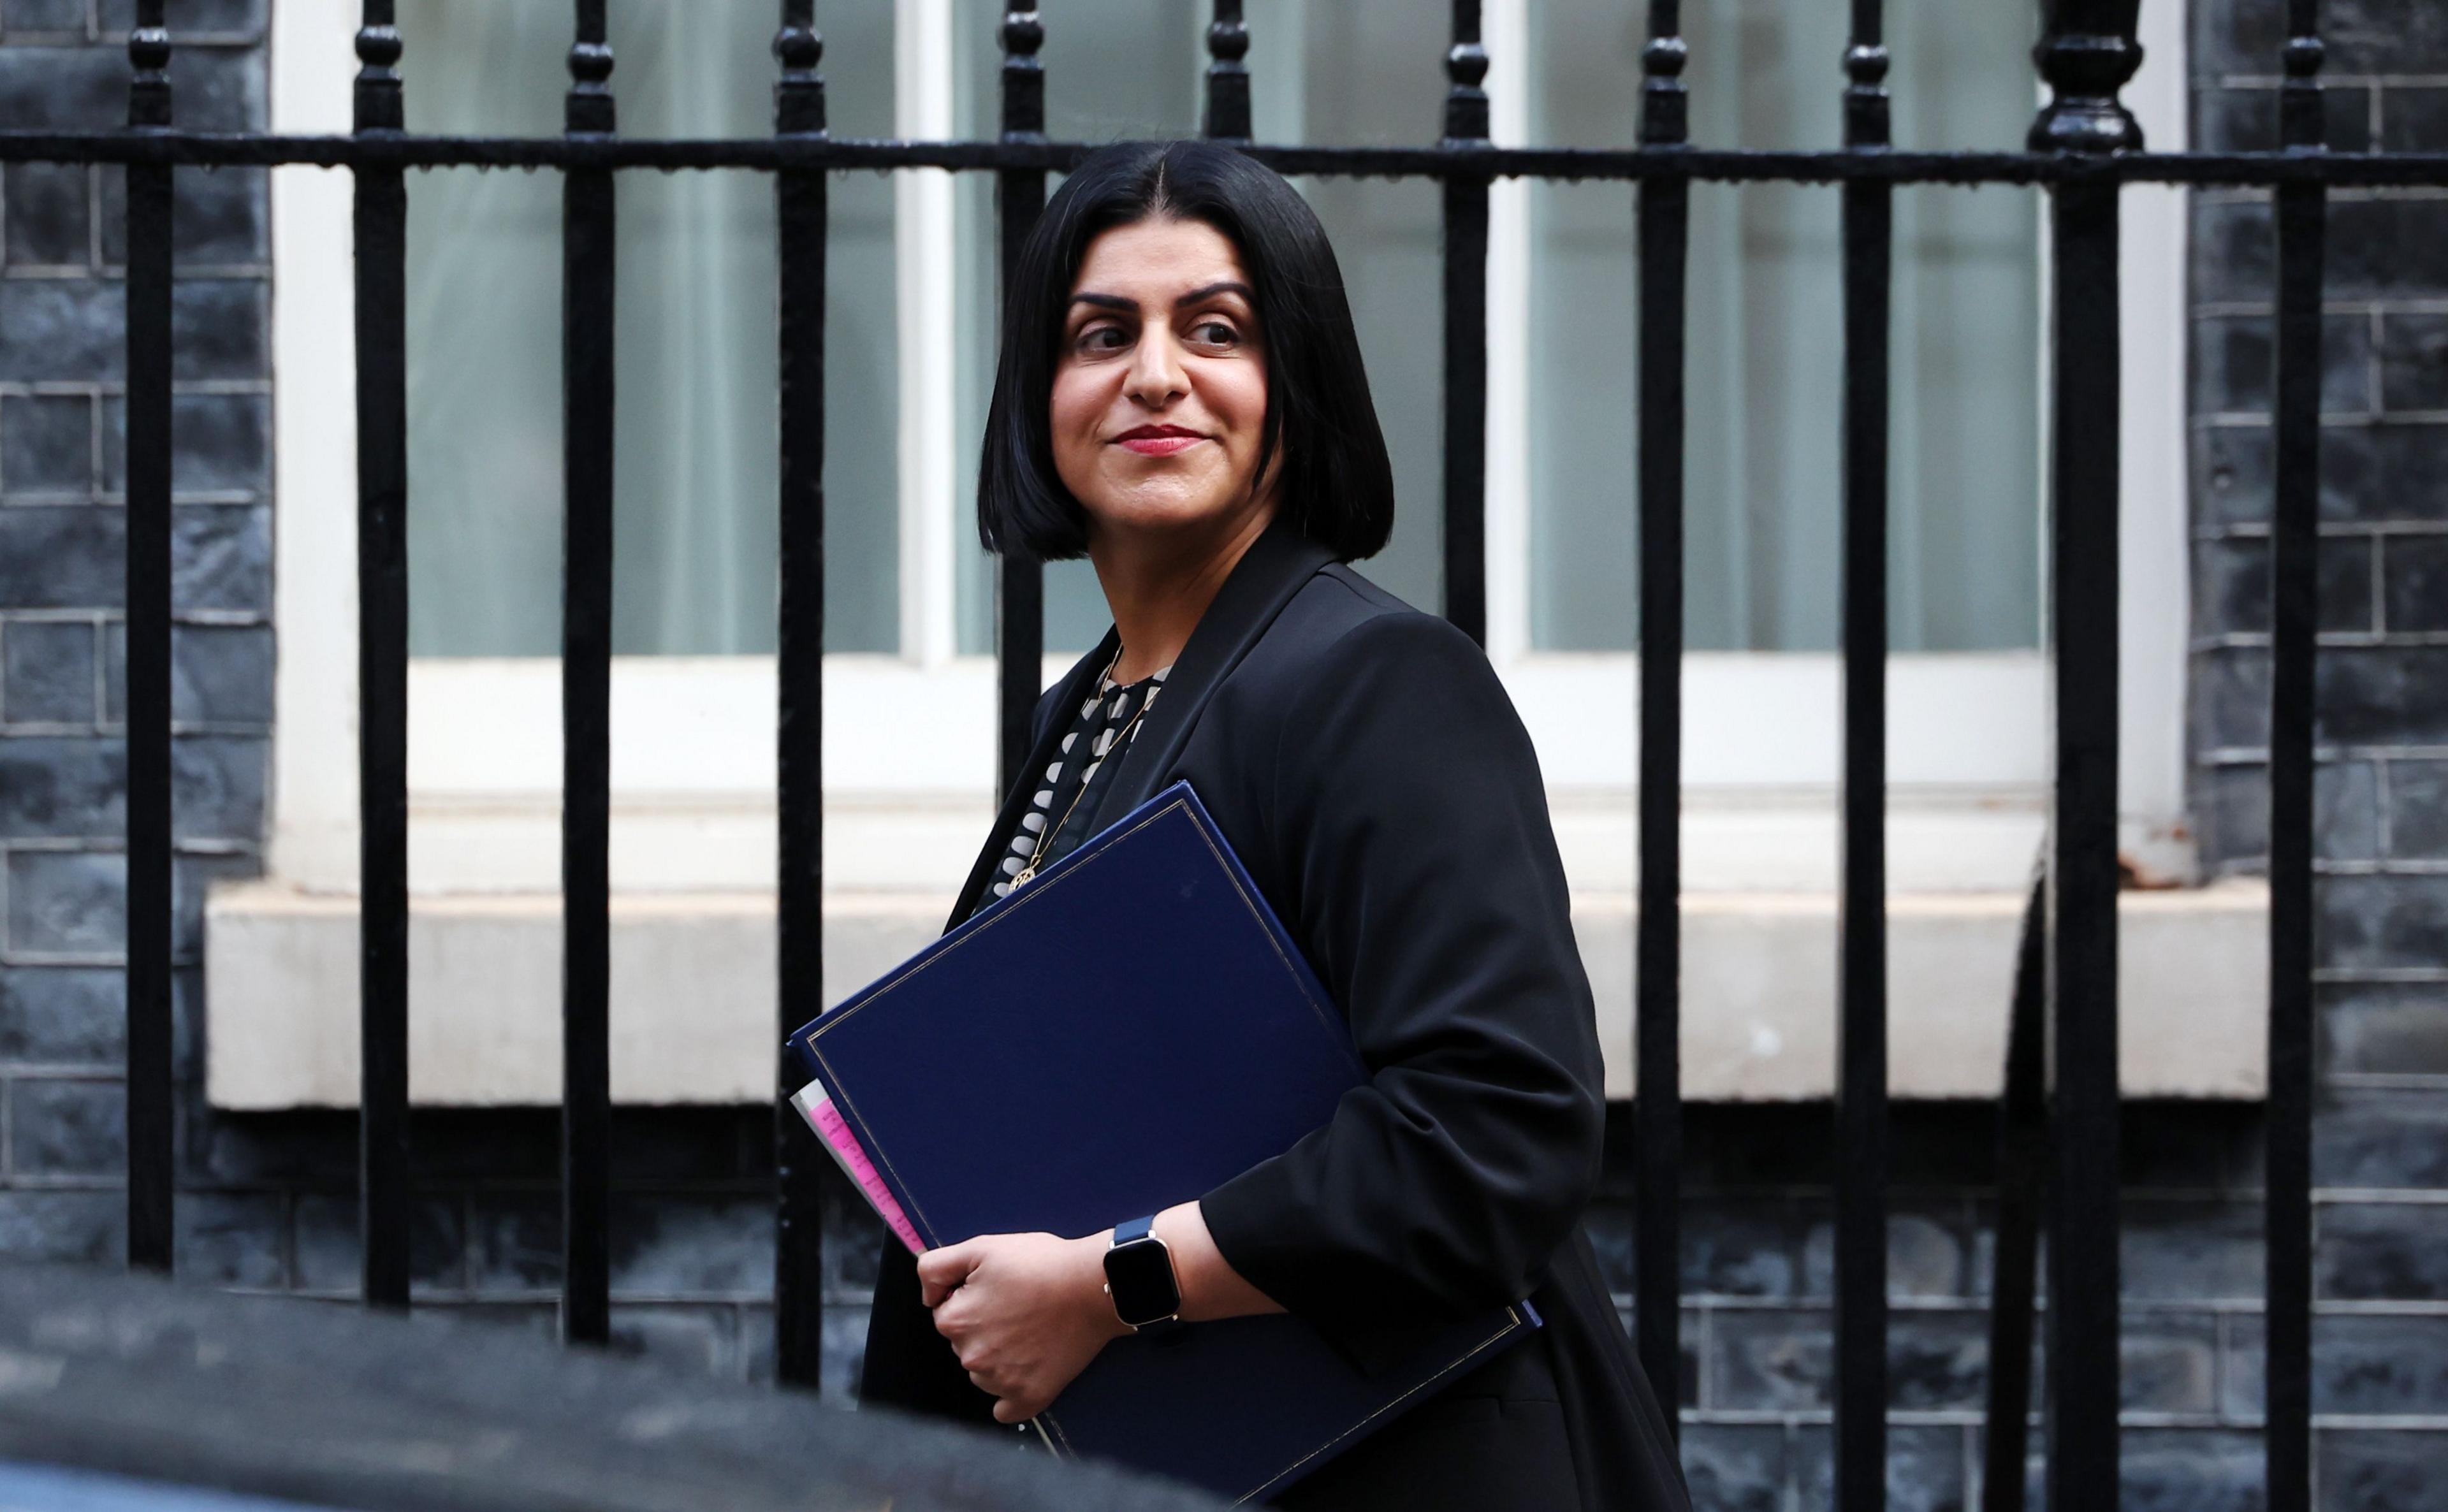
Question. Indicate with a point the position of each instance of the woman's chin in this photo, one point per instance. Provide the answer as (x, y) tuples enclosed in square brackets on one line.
[(1161, 516)]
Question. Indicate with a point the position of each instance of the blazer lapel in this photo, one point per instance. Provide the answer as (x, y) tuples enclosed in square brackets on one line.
[(1075, 688), (1275, 568)]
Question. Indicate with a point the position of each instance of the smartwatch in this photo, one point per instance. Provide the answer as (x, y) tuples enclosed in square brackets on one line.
[(1139, 1278)]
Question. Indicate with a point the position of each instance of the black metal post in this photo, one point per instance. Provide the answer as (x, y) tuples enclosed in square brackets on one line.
[(1665, 204), (586, 698), (1465, 331), (1861, 1426), (2087, 52), (2022, 1180), (151, 1136), (2295, 612), (1019, 583), (382, 675), (1228, 78), (799, 779)]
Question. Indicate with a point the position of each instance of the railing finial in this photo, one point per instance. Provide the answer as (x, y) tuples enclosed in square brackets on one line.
[(148, 49), (1866, 120), (1665, 102), (2086, 54), (2303, 122), (1227, 76), (589, 106), (1023, 76), (378, 102), (1465, 68), (799, 96)]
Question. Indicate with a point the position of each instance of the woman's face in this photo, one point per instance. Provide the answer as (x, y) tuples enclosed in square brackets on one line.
[(1160, 384)]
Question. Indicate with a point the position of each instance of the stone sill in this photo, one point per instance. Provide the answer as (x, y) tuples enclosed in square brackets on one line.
[(693, 1017)]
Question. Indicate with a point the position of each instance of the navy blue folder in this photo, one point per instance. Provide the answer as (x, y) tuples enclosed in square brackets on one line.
[(1124, 1032)]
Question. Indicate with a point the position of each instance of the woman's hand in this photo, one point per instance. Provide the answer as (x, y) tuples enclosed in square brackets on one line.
[(1025, 1313)]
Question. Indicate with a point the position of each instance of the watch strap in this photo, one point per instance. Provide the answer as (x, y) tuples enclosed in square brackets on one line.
[(1133, 1229)]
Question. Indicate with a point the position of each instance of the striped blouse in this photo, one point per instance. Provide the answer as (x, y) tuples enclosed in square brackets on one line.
[(1074, 781)]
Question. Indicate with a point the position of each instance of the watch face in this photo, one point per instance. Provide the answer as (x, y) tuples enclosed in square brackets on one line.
[(1140, 1277)]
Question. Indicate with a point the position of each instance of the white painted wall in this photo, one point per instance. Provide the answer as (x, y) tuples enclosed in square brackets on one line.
[(314, 460), (927, 299), (2154, 601)]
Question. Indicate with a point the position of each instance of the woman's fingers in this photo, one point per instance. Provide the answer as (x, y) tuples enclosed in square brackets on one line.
[(1011, 1409), (1007, 1409), (951, 1321), (1020, 1313), (941, 1271)]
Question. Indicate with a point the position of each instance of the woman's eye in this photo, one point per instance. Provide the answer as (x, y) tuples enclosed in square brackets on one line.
[(1101, 340), (1214, 333)]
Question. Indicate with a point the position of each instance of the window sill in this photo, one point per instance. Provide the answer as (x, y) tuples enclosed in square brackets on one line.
[(693, 1019)]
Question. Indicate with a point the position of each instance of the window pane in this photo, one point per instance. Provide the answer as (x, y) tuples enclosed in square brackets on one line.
[(1371, 73), (1351, 71), (694, 459), (1115, 70), (1765, 346)]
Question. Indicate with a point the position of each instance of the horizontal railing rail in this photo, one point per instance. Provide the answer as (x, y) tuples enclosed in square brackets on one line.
[(223, 149)]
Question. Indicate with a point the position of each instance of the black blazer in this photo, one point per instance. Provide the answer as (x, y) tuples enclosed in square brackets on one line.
[(1367, 766)]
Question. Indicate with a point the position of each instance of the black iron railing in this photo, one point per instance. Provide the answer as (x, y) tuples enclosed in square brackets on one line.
[(2083, 146)]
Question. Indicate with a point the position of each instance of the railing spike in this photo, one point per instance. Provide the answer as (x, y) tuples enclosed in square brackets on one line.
[(1860, 1102), (1664, 232), (589, 231), (151, 922), (801, 1168), (2088, 51), (380, 219), (2302, 211), (1018, 582)]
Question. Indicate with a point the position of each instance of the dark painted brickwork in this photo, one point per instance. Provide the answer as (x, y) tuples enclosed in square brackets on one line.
[(267, 1202), (1757, 1285), (2381, 1338), (61, 770)]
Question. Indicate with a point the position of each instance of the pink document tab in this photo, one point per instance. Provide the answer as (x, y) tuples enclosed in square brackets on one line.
[(826, 1119)]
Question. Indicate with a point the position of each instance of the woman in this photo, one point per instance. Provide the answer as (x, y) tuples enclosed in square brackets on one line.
[(1181, 398)]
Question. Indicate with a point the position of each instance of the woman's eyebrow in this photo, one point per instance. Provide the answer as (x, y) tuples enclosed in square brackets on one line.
[(1221, 286), (1114, 301)]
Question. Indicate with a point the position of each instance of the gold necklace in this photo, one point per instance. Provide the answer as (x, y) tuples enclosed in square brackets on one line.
[(1046, 836)]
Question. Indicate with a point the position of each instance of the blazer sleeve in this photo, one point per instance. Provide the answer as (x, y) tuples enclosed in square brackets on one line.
[(1410, 826)]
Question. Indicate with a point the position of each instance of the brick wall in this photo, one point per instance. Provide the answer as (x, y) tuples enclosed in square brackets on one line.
[(2380, 1150), (267, 1201), (1757, 1281), (62, 359)]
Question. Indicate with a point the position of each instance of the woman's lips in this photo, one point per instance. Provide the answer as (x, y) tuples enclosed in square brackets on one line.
[(1160, 446)]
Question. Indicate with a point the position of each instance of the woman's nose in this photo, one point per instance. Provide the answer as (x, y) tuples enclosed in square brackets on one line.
[(1155, 378)]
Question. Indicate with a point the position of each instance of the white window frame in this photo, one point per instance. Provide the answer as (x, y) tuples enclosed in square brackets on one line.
[(692, 744)]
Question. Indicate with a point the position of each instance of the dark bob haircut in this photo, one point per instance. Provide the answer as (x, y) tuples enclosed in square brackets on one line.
[(1336, 485)]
